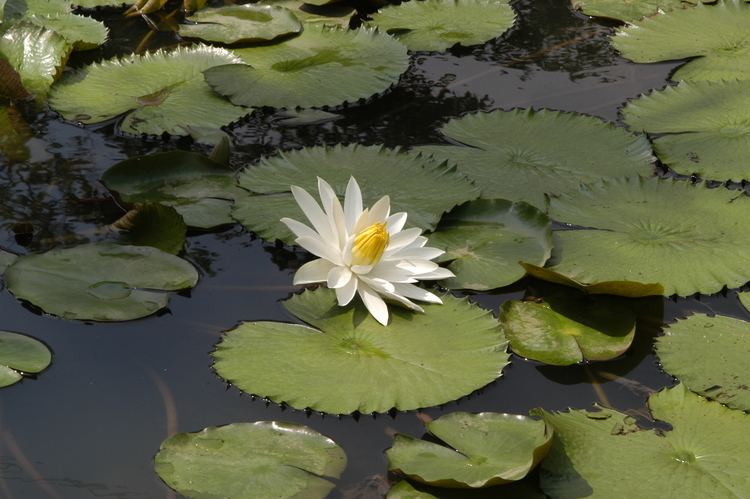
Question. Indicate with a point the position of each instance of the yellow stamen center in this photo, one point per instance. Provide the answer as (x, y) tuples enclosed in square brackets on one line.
[(369, 245)]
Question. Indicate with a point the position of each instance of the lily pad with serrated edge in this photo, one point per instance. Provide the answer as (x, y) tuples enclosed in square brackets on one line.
[(241, 23), (100, 282), (522, 155), (702, 127), (345, 361), (19, 355), (160, 92), (709, 356), (288, 75), (628, 10), (153, 224), (332, 14), (423, 188), (82, 32), (484, 449), (604, 454), (717, 33), (244, 460), (486, 239), (439, 24), (688, 238)]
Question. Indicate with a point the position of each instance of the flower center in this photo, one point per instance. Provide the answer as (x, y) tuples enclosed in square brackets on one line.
[(369, 245)]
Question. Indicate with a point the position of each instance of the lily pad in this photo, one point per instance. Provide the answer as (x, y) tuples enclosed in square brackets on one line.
[(604, 454), (628, 10), (709, 356), (745, 299), (522, 489), (21, 354), (348, 362), (101, 282), (520, 155), (161, 92), (439, 24), (485, 239), (630, 289), (288, 75), (156, 225), (568, 328), (200, 189), (705, 127), (243, 460), (683, 236), (717, 33), (6, 259), (487, 449), (241, 23), (380, 170), (82, 32)]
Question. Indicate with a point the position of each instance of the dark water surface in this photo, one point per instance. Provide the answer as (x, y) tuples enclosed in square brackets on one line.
[(90, 425)]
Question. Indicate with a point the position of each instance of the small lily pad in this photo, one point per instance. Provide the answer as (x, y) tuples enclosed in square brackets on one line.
[(439, 24), (248, 23), (156, 225), (709, 356), (19, 355), (348, 362), (487, 449), (486, 239), (244, 460), (101, 282)]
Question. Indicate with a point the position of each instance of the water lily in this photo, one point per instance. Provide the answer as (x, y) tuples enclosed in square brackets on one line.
[(363, 251)]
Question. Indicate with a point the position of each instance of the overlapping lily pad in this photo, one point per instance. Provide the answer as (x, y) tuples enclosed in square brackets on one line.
[(709, 356), (688, 238), (604, 454), (717, 33), (162, 92), (485, 239), (101, 282), (334, 14), (439, 24), (423, 188), (358, 64), (19, 355), (628, 10), (241, 23), (347, 362), (630, 289), (487, 449), (522, 154), (153, 224), (243, 460)]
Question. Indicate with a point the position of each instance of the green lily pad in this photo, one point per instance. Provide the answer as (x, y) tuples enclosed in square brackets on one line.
[(485, 239), (522, 154), (439, 24), (745, 299), (333, 15), (683, 236), (706, 127), (487, 449), (83, 32), (161, 92), (6, 259), (568, 328), (101, 282), (405, 490), (709, 356), (348, 362), (287, 75), (717, 33), (243, 460), (628, 10), (156, 225), (521, 489), (630, 289), (379, 170), (200, 189), (21, 354), (604, 454), (241, 23)]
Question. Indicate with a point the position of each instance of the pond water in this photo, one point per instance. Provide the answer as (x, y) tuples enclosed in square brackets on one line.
[(90, 425)]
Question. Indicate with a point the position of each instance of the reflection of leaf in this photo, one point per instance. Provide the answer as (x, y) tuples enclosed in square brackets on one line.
[(156, 225), (241, 23), (21, 354), (14, 134)]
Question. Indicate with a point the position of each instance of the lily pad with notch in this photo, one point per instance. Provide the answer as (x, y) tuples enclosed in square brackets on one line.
[(19, 355), (247, 23)]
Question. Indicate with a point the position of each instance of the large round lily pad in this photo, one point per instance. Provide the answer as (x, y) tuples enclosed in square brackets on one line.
[(348, 362), (604, 454), (487, 449), (522, 154), (161, 92), (628, 10), (322, 67), (244, 460), (709, 356), (241, 23), (485, 239), (21, 354), (440, 24), (689, 238), (423, 188), (101, 282)]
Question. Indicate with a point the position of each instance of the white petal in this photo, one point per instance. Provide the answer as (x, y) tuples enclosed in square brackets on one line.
[(361, 269), (389, 271), (345, 294), (417, 293), (315, 271), (338, 277), (436, 275), (404, 301), (374, 303), (312, 211), (379, 285), (380, 210), (402, 239), (418, 267), (318, 247), (396, 222), (339, 223), (352, 204), (329, 201), (298, 228), (417, 253)]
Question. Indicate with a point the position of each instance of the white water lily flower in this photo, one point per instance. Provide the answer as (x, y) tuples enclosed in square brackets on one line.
[(363, 251)]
